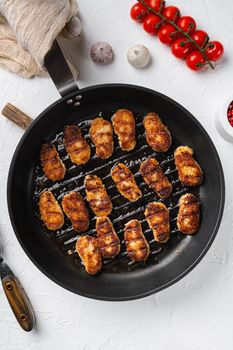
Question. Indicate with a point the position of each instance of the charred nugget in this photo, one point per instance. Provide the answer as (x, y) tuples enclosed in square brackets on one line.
[(50, 211), (101, 134), (124, 126), (77, 147), (89, 252), (188, 219), (157, 216), (154, 177), (51, 162), (108, 240), (74, 207), (125, 182), (189, 171), (157, 134), (97, 196), (136, 244)]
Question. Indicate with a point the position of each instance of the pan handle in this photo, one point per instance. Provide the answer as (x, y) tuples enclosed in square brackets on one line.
[(16, 116), (59, 71)]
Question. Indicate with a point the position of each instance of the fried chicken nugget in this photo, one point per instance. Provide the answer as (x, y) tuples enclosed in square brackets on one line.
[(89, 252), (108, 240), (136, 244), (77, 147), (189, 171), (188, 219), (124, 126), (154, 177), (101, 134), (157, 216), (125, 182), (50, 211), (51, 162), (97, 196), (157, 134), (74, 207)]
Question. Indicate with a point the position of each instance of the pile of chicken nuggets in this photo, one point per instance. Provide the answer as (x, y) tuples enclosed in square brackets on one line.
[(106, 244)]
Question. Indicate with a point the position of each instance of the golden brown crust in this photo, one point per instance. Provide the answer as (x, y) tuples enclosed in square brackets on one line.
[(108, 240), (157, 134), (188, 219), (77, 147), (101, 134), (189, 171), (89, 252), (154, 177), (124, 126), (97, 196), (74, 207), (125, 182), (136, 244), (50, 211), (157, 216), (51, 162)]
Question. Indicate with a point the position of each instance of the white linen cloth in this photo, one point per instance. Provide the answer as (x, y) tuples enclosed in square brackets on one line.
[(28, 29)]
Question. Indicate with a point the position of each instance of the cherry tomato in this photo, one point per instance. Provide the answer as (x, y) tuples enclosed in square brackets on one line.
[(172, 13), (214, 50), (138, 12), (180, 48), (196, 61), (167, 34), (187, 24), (151, 24), (156, 5), (200, 37)]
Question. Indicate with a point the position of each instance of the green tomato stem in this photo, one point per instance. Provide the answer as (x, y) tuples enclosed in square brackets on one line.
[(205, 43), (179, 30)]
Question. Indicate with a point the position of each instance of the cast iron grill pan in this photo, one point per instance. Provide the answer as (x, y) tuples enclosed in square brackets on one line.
[(54, 253)]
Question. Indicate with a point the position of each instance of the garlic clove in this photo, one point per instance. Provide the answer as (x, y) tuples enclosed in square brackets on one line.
[(139, 56), (102, 53)]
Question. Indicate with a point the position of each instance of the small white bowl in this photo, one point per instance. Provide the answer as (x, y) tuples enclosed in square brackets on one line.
[(222, 123)]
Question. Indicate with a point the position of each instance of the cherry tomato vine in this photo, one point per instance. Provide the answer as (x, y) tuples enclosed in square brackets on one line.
[(150, 11), (190, 39)]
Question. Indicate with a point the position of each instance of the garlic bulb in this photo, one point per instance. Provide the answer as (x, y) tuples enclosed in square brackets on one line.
[(102, 53), (138, 56), (73, 28)]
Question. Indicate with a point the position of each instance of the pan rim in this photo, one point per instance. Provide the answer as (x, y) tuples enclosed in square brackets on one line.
[(165, 285)]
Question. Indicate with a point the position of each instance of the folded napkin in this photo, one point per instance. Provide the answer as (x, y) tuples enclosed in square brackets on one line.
[(28, 29)]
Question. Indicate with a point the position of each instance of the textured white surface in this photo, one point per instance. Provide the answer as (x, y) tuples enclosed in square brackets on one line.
[(197, 312)]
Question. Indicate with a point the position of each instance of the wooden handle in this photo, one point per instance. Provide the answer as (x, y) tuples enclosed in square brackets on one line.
[(19, 302), (16, 116)]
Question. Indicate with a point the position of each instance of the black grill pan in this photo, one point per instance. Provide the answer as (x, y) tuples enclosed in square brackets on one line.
[(53, 253)]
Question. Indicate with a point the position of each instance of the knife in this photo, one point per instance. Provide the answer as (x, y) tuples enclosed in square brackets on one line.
[(17, 297)]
